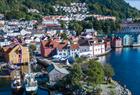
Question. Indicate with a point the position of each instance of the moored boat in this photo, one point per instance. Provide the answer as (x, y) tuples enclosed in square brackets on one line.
[(17, 84), (30, 83)]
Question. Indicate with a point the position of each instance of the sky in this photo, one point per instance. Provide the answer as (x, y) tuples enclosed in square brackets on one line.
[(134, 3)]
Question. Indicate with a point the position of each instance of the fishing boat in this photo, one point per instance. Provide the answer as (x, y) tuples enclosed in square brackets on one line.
[(30, 83), (17, 84)]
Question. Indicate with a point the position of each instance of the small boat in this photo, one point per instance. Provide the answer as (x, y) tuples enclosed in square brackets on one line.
[(30, 83), (17, 84)]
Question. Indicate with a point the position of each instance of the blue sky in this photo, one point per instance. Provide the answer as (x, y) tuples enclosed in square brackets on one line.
[(134, 3)]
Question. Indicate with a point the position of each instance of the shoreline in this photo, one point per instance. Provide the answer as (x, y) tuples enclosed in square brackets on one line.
[(125, 90)]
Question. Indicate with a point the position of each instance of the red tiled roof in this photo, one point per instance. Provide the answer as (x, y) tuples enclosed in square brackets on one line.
[(74, 46), (54, 44)]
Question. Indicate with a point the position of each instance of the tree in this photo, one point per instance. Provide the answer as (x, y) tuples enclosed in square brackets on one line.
[(94, 73), (109, 72), (77, 26), (63, 24), (64, 36), (32, 49), (78, 60), (76, 76)]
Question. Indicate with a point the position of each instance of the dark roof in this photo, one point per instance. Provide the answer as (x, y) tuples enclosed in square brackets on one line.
[(83, 42)]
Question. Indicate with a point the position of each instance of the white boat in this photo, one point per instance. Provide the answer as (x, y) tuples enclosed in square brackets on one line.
[(30, 83), (16, 84)]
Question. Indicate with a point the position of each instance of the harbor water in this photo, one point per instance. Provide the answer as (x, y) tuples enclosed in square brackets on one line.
[(5, 88), (126, 63)]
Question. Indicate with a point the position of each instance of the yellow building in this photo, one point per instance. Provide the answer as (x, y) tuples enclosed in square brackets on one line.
[(16, 54)]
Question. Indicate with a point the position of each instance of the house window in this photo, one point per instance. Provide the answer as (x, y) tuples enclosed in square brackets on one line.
[(64, 53)]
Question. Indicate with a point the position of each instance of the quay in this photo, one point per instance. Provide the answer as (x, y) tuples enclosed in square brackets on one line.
[(5, 76)]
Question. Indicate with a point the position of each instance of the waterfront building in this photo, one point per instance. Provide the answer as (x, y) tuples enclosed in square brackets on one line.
[(127, 40), (85, 47), (16, 53), (98, 49), (107, 44), (117, 42), (137, 43), (93, 47)]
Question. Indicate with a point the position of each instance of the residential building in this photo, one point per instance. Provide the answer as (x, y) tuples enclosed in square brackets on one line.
[(102, 17), (127, 40), (107, 45), (85, 47), (47, 48), (59, 49), (16, 53), (24, 32), (98, 49), (117, 42), (49, 21), (4, 42)]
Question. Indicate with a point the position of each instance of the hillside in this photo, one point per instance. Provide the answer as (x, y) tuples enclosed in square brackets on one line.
[(18, 8), (118, 8)]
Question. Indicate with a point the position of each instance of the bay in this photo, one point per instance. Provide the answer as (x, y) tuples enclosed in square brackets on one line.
[(126, 63)]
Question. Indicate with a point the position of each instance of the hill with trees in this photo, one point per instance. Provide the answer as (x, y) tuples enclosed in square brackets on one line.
[(18, 8)]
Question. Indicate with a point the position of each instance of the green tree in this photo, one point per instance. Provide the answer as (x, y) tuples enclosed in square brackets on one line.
[(72, 80), (63, 24), (94, 73), (109, 72), (77, 26), (64, 36), (75, 76), (32, 49)]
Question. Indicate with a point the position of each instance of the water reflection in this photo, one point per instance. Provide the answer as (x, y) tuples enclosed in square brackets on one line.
[(118, 50), (137, 48)]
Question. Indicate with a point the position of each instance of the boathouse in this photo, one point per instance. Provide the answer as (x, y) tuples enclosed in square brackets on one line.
[(116, 42), (127, 40)]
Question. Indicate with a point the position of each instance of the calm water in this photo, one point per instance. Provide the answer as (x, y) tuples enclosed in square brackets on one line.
[(6, 90), (126, 63)]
